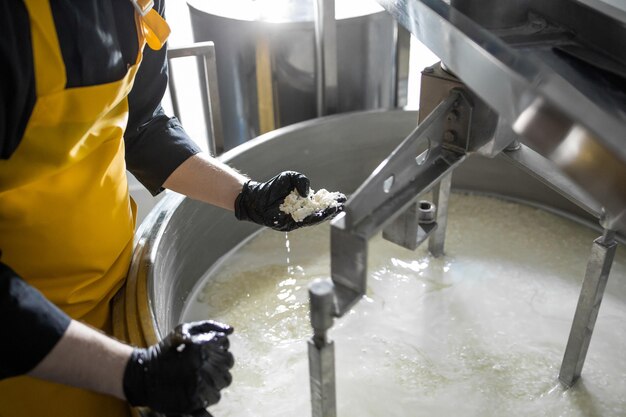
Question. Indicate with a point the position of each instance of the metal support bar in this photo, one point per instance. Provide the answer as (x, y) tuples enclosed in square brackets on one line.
[(441, 195), (426, 157), (548, 173), (401, 60), (322, 377), (393, 187), (173, 91), (210, 92), (321, 350), (407, 162), (594, 283), (348, 260), (391, 190), (326, 57)]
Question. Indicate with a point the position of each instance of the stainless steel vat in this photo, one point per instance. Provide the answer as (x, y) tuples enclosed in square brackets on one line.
[(274, 41), (182, 238)]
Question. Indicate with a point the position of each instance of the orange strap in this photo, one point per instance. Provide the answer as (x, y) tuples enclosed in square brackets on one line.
[(155, 28)]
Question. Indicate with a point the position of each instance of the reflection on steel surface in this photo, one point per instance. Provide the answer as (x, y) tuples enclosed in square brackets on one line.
[(365, 59)]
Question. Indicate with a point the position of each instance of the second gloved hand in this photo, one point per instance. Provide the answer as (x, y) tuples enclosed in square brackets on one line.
[(184, 372), (260, 202)]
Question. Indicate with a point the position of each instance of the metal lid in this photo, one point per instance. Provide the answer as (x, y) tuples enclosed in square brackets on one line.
[(281, 11)]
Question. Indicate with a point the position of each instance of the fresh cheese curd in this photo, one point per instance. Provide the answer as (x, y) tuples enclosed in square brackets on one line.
[(478, 332), (301, 207)]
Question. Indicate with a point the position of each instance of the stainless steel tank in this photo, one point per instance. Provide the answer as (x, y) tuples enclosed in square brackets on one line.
[(265, 52), (182, 238)]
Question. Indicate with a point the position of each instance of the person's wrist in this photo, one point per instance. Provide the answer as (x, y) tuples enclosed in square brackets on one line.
[(242, 209), (132, 382), (239, 204)]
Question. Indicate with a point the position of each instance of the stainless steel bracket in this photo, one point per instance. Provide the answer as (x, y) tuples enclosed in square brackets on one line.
[(387, 198), (453, 122), (429, 153)]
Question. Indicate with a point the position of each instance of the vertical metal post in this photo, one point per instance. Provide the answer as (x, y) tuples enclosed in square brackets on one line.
[(321, 350), (173, 94), (441, 195), (401, 61), (214, 112), (325, 57), (210, 92), (591, 293)]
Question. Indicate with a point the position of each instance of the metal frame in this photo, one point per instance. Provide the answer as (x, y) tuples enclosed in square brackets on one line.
[(547, 172), (457, 123), (544, 103), (210, 92), (392, 189), (386, 199), (326, 74), (573, 122), (591, 293)]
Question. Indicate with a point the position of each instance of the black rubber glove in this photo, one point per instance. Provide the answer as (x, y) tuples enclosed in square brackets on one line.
[(184, 372), (259, 202)]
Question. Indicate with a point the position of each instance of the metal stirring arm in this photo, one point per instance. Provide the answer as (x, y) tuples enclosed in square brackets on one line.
[(421, 161), (430, 152)]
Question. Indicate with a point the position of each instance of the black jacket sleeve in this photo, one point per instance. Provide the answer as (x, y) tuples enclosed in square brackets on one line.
[(155, 143), (30, 325)]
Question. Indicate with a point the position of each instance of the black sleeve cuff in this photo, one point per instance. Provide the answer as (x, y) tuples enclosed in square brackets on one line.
[(156, 149), (30, 325)]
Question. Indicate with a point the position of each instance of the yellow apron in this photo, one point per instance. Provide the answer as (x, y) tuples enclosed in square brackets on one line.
[(66, 218)]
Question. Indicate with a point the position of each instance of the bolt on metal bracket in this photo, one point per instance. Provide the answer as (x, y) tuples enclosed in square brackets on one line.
[(591, 293), (412, 227)]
